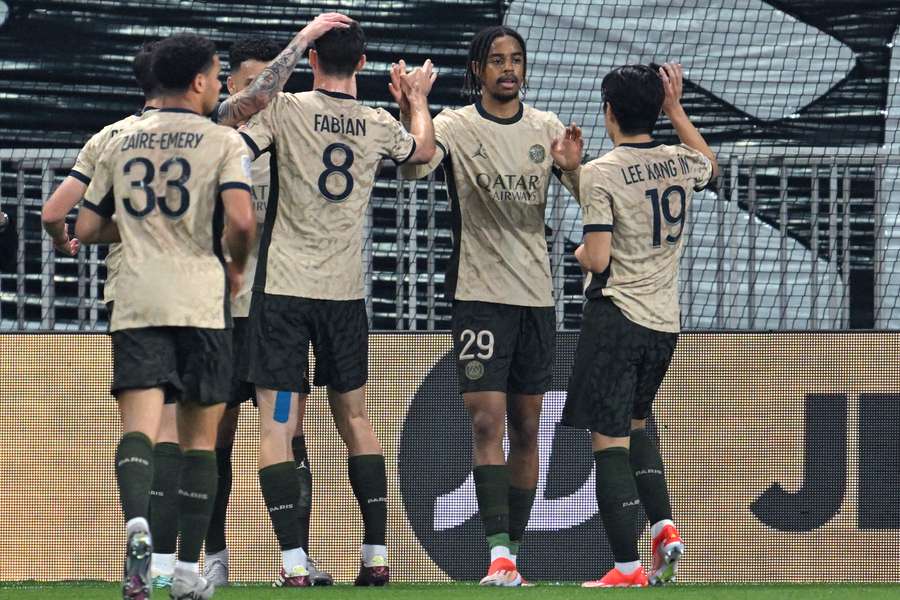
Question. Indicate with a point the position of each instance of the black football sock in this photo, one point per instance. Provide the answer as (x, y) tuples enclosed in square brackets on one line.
[(304, 505), (369, 482), (492, 492), (215, 535), (196, 497), (164, 497), (134, 474), (617, 499), (280, 488), (520, 503), (650, 476)]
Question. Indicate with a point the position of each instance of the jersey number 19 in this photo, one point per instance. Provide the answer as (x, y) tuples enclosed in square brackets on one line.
[(662, 211)]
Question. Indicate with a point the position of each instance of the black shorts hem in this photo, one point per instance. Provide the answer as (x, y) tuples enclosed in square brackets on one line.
[(170, 390), (191, 364), (280, 333), (340, 388)]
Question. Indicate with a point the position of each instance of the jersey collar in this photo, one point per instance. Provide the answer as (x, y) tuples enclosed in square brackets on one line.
[(650, 144), (507, 121), (341, 95), (177, 110)]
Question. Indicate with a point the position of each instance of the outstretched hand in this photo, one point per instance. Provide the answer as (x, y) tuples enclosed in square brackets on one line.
[(568, 149), (414, 84), (395, 86)]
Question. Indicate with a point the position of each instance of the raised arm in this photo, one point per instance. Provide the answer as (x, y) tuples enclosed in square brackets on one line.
[(672, 76), (415, 87), (398, 87), (255, 97)]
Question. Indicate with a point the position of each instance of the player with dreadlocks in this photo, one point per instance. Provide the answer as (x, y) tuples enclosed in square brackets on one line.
[(498, 155)]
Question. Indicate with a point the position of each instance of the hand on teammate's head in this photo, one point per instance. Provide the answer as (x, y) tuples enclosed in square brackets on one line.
[(325, 23), (672, 76)]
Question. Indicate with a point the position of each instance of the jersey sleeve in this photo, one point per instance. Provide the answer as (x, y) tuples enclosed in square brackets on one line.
[(700, 166), (236, 167), (259, 132), (86, 163), (99, 195), (596, 201), (442, 149), (396, 142)]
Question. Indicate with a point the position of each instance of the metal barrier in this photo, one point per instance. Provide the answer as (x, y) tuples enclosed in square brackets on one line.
[(786, 242)]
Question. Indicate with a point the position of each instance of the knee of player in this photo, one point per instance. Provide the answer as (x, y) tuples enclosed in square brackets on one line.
[(272, 429), (352, 419), (487, 427), (524, 435)]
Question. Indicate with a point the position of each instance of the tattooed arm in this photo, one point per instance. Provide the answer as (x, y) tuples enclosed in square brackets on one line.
[(255, 97)]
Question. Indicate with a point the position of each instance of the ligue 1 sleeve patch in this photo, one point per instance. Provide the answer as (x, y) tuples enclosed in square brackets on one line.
[(247, 163)]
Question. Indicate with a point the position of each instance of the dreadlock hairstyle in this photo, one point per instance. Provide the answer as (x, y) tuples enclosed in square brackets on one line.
[(478, 53)]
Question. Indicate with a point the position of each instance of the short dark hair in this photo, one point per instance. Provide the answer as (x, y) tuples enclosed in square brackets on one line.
[(339, 50), (178, 59), (143, 70), (635, 95), (478, 52), (255, 47)]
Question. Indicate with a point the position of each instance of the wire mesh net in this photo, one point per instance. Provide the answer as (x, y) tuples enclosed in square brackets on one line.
[(797, 98)]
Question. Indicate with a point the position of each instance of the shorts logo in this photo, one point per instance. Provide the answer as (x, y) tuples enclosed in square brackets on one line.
[(474, 370), (537, 154)]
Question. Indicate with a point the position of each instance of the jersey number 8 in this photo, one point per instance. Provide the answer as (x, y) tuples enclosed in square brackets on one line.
[(343, 169), (144, 184)]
